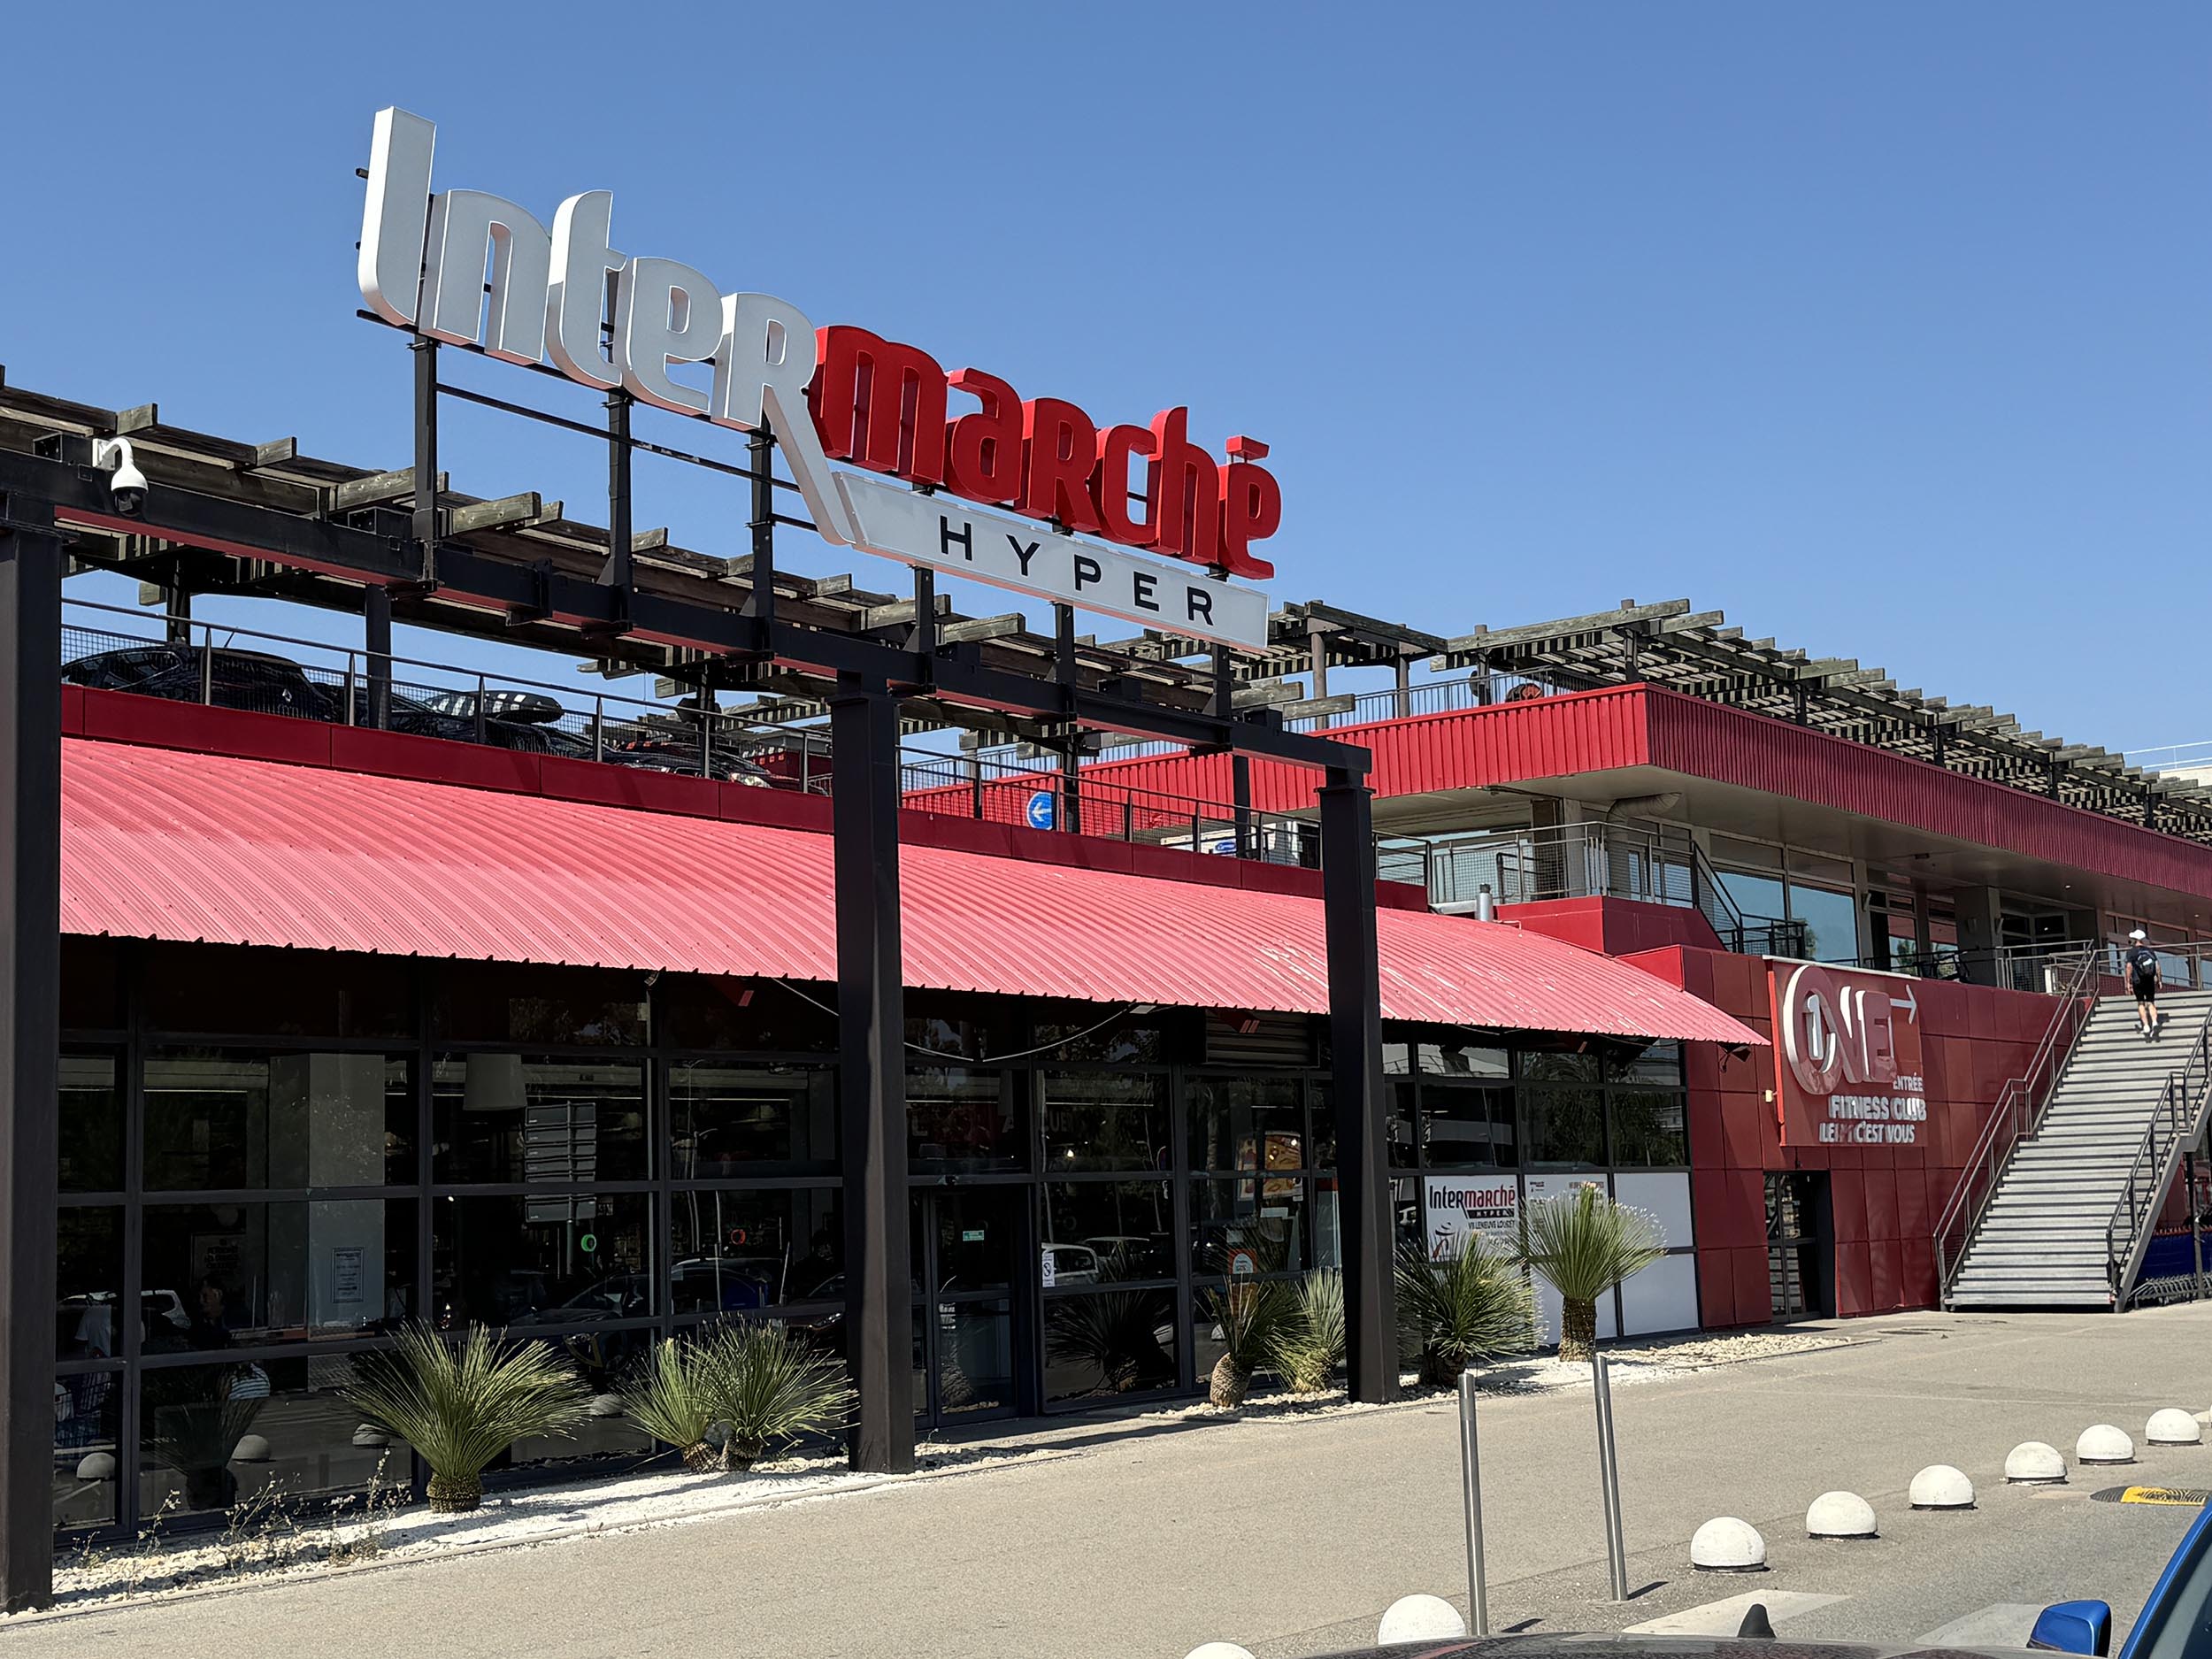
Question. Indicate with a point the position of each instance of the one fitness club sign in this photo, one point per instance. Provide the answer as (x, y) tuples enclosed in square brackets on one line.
[(1847, 1057), (474, 269)]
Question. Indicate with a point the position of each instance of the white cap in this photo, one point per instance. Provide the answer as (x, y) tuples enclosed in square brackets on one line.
[(2138, 933)]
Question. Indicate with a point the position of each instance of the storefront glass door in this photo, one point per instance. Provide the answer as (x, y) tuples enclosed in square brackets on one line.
[(964, 1245)]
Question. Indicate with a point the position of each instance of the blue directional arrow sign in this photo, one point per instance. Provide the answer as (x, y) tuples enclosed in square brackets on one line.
[(1041, 810)]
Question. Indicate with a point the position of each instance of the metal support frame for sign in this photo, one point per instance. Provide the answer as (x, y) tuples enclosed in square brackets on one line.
[(30, 1037), (1356, 1068), (376, 639)]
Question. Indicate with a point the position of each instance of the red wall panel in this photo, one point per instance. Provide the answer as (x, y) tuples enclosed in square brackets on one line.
[(1754, 1297), (1715, 1289)]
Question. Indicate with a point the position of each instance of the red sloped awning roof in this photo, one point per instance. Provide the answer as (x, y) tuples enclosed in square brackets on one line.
[(159, 844)]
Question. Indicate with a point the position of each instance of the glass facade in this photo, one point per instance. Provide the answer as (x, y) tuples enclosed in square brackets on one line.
[(585, 1158)]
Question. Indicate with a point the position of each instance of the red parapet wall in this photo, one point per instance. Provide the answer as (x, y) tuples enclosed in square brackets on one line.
[(1885, 1199)]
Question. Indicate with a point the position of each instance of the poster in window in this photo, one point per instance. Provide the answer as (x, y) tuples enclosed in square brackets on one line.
[(345, 1274)]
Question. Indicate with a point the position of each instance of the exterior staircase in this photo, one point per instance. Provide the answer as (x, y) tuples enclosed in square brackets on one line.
[(2047, 1236)]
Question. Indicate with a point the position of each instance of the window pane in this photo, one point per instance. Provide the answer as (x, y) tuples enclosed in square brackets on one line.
[(530, 1006), (1124, 1038), (531, 1260), (87, 1423), (737, 1251), (218, 1276), (216, 1434), (1566, 1126), (90, 1284), (1097, 1120), (1469, 1125), (1111, 1230), (1649, 1130), (962, 1119), (1831, 923), (91, 1127), (1661, 1063), (1247, 1123), (219, 1120), (1404, 1153), (1234, 1224), (505, 1118), (91, 983), (1754, 895), (748, 1015), (1464, 1060), (1103, 1343), (1560, 1065), (759, 1119)]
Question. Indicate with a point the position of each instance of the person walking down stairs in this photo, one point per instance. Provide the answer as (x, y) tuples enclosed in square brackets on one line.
[(2143, 979)]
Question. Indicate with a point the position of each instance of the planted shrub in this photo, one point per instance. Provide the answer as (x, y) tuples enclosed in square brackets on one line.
[(1312, 1343), (670, 1396), (1252, 1314), (460, 1404), (767, 1386), (1584, 1244), (1465, 1308)]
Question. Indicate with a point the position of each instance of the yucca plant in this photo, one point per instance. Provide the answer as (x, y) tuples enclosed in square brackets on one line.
[(1252, 1314), (1117, 1332), (767, 1386), (1312, 1343), (1472, 1305), (1584, 1244), (195, 1419), (462, 1404), (670, 1396)]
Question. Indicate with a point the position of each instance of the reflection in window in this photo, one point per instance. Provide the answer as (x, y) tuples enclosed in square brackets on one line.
[(958, 1118), (305, 1439), (506, 1117), (1832, 928), (87, 1424), (1247, 1123), (1649, 1130), (217, 1121), (1468, 1125), (90, 1259), (1249, 1226), (91, 1124), (218, 1276), (737, 1252), (527, 1261), (734, 1119), (1103, 1343), (1566, 1126), (1098, 1120), (1111, 1230)]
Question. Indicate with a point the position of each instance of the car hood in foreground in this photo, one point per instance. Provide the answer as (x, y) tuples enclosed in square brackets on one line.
[(1610, 1647)]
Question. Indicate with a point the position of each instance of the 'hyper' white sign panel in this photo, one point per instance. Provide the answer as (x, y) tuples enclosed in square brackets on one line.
[(1030, 558)]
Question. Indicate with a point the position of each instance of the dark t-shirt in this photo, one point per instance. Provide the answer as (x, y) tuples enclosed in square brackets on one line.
[(2143, 962)]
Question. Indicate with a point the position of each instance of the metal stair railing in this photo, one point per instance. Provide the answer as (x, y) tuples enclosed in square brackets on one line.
[(2173, 1127), (2018, 1117)]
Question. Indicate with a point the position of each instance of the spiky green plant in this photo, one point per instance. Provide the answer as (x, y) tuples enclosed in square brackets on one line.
[(767, 1386), (1473, 1305), (1584, 1244), (1253, 1316), (1311, 1345), (195, 1419), (1117, 1332), (462, 1404), (670, 1396)]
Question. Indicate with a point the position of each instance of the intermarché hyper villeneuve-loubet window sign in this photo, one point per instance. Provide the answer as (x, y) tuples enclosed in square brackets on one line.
[(839, 392)]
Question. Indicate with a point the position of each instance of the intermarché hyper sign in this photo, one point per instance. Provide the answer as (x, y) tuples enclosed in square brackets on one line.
[(833, 394), (1847, 1048)]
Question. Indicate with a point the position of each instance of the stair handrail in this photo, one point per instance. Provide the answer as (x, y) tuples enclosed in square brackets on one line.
[(2182, 1107), (2016, 1117)]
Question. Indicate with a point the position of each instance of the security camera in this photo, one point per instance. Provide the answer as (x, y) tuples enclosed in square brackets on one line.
[(127, 485)]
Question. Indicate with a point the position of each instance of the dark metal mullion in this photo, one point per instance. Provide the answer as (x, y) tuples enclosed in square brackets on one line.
[(660, 1132), (131, 1315), (1180, 1202)]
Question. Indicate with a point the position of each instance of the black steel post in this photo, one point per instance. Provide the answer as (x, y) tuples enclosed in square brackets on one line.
[(1362, 1179), (871, 1073), (425, 519), (1240, 797), (760, 454), (617, 572), (376, 641), (179, 627), (30, 1038)]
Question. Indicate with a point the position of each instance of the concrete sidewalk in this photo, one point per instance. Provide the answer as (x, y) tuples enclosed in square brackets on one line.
[(1290, 1535)]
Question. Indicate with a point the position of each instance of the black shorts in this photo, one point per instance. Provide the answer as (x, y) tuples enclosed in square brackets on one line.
[(2146, 990)]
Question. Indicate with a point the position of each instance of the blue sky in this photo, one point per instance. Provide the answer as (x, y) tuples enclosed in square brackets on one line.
[(1883, 328)]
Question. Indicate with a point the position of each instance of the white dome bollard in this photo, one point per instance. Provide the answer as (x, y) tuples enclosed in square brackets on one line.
[(1219, 1650), (96, 1466), (2173, 1427), (1418, 1618), (251, 1448), (2101, 1443), (605, 1406), (1726, 1544), (2033, 1464), (1941, 1486), (1839, 1515)]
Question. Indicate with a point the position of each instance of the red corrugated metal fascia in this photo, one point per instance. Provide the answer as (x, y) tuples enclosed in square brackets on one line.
[(1462, 748), (197, 848), (1730, 746)]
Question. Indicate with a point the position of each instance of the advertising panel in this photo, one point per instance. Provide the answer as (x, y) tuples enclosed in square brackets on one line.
[(1453, 1207), (1847, 1061)]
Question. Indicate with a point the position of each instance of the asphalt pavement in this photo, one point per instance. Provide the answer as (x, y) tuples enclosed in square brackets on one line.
[(1290, 1535)]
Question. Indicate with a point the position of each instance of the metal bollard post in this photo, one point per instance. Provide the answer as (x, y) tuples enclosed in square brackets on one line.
[(1471, 1465), (1609, 1477)]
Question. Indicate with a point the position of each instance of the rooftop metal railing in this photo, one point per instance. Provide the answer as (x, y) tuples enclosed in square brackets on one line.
[(2174, 1128), (2018, 1114), (1658, 863)]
